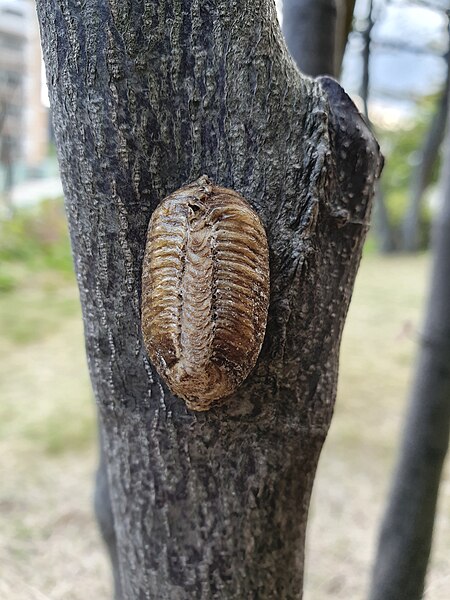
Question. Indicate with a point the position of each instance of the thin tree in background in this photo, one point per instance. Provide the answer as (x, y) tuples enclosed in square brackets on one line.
[(382, 226), (422, 174), (406, 534), (316, 33), (7, 149), (310, 30), (145, 97), (390, 237), (344, 28)]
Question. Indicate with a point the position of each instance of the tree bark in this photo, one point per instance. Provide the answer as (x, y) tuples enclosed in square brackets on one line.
[(406, 534), (105, 517), (310, 30), (145, 97), (421, 176)]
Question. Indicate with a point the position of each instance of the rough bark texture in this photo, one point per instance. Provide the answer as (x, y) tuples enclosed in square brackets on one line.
[(310, 29), (147, 96), (421, 176), (406, 534), (104, 515)]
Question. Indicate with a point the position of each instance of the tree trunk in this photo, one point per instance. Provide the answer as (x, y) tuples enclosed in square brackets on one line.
[(382, 225), (7, 160), (421, 176), (147, 96), (316, 33), (406, 533), (309, 27), (345, 10), (105, 517)]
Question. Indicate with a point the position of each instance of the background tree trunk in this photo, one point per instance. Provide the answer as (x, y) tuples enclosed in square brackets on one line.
[(310, 30), (7, 149), (345, 10), (382, 225), (145, 97), (316, 33), (406, 533), (421, 175)]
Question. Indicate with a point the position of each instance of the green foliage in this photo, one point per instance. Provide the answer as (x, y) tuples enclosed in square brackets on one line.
[(44, 387), (35, 272), (401, 148), (34, 240)]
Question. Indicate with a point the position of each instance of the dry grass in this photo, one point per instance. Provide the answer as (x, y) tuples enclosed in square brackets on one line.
[(49, 547), (377, 358)]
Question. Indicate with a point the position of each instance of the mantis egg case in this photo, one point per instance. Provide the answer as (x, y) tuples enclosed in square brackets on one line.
[(205, 291)]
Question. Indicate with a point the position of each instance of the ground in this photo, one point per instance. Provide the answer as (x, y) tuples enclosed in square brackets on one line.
[(49, 546)]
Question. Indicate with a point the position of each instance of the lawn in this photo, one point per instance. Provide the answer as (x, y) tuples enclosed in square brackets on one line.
[(49, 546)]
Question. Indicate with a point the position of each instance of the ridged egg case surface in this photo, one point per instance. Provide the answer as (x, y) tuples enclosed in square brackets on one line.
[(205, 291)]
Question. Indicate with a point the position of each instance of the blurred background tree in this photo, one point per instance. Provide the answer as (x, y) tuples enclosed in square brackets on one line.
[(406, 534), (408, 118), (396, 68), (407, 530)]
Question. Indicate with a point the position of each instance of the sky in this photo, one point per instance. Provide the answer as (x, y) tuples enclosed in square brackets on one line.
[(400, 75)]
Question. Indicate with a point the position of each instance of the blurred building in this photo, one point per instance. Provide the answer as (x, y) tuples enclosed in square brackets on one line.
[(24, 129)]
